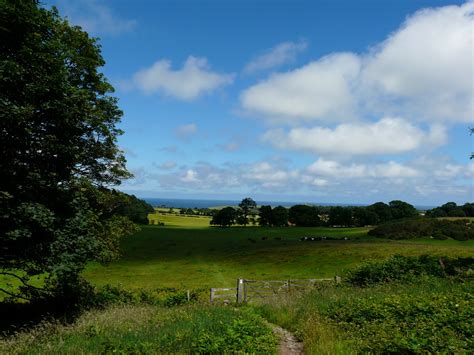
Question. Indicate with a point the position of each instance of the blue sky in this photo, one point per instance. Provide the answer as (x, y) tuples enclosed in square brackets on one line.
[(323, 101)]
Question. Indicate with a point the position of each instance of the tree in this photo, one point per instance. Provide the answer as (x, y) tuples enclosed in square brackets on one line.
[(279, 217), (364, 217), (304, 216), (382, 210), (265, 216), (400, 209), (340, 216), (224, 217), (59, 154), (246, 207), (133, 208)]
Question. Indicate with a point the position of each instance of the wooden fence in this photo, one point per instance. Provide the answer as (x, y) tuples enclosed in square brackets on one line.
[(248, 290)]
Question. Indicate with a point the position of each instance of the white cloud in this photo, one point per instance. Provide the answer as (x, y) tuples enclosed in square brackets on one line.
[(334, 169), (426, 179), (95, 17), (422, 71), (185, 132), (283, 53), (190, 176), (426, 65), (387, 136), (192, 80), (320, 90)]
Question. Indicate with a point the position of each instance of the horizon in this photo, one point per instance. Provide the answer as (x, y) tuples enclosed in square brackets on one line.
[(326, 101)]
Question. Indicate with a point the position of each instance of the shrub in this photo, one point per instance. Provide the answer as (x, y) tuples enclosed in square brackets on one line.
[(408, 268), (424, 227)]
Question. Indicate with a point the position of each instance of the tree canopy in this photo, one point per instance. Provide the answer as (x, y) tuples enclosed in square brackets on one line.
[(58, 142)]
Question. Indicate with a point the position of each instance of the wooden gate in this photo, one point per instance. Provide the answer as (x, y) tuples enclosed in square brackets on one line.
[(248, 290)]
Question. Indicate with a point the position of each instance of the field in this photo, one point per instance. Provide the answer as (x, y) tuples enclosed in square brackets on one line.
[(419, 315), (186, 252)]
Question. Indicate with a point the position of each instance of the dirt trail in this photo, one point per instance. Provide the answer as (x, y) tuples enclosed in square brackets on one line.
[(289, 345)]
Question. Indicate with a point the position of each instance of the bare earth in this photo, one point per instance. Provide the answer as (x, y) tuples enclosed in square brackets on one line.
[(288, 343)]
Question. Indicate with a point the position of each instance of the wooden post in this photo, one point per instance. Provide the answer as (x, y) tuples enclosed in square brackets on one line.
[(245, 291), (189, 296), (212, 295), (240, 290)]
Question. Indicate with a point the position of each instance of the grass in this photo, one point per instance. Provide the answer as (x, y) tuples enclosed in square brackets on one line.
[(186, 254), (427, 316), (175, 220), (149, 329)]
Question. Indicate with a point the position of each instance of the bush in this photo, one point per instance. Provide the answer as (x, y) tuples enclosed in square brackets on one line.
[(408, 268), (408, 323), (425, 227)]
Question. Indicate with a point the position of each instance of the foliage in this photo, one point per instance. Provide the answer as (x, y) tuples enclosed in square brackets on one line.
[(246, 207), (151, 329), (265, 216), (340, 216), (58, 145), (133, 208), (224, 217), (304, 216), (279, 217), (428, 315), (408, 268), (438, 322), (416, 228), (451, 209)]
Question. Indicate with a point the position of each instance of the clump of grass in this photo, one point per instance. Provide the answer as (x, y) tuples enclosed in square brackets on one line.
[(150, 329)]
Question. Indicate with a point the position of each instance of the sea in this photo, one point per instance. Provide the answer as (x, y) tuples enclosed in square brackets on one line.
[(198, 203)]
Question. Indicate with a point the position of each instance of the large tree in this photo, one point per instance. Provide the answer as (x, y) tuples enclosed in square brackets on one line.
[(59, 156), (246, 207)]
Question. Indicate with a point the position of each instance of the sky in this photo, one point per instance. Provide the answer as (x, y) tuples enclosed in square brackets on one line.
[(319, 101)]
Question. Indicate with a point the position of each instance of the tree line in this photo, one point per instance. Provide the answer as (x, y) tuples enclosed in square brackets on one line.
[(451, 209), (313, 216)]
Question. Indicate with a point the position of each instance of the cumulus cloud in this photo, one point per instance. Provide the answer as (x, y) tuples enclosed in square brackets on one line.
[(426, 65), (192, 80), (319, 90), (425, 179), (185, 132), (421, 71), (387, 136), (281, 54), (95, 17), (334, 169)]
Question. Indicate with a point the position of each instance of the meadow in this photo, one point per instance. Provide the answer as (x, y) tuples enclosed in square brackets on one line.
[(142, 305), (188, 253)]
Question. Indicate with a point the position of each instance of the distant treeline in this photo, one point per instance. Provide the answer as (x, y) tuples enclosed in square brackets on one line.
[(313, 216), (450, 209)]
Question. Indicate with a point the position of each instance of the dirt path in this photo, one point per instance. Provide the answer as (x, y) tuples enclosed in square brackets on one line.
[(289, 345)]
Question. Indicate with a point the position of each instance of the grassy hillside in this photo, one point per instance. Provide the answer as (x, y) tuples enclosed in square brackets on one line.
[(185, 253)]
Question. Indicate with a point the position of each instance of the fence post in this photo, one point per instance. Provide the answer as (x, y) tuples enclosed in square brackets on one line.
[(240, 290), (189, 295), (212, 295)]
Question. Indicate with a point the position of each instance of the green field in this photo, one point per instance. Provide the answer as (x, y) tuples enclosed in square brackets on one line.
[(186, 252)]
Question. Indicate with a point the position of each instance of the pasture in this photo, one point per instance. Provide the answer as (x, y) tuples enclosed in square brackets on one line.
[(186, 252)]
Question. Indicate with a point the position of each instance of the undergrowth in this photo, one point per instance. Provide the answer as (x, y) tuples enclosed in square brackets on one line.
[(405, 306), (150, 329)]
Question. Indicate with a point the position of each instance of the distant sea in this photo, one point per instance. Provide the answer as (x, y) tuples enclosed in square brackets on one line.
[(194, 203)]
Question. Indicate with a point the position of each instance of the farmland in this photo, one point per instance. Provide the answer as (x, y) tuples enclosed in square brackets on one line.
[(187, 253)]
